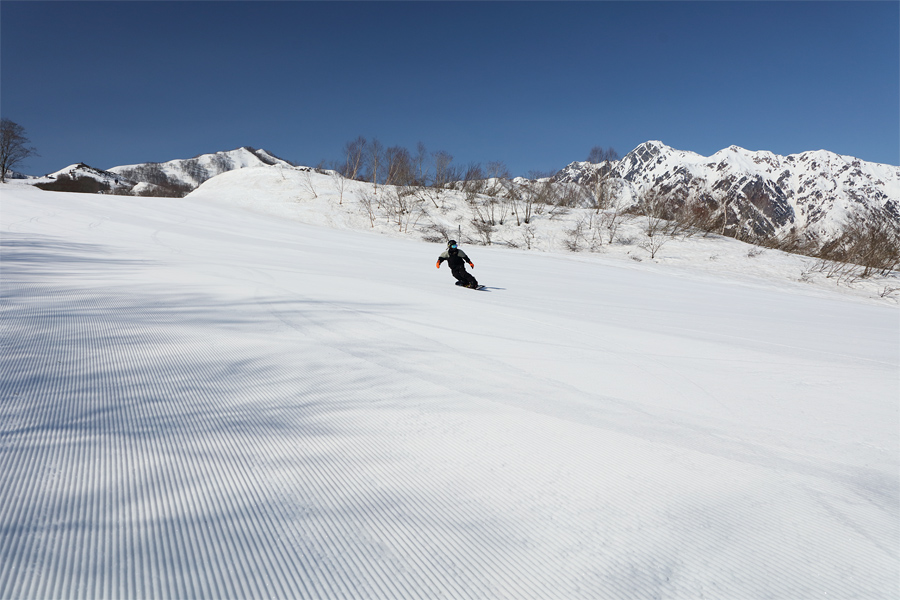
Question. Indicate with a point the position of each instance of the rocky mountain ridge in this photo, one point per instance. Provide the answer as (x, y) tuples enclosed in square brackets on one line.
[(763, 194)]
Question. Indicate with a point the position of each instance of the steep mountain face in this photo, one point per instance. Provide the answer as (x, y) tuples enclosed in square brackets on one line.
[(178, 177), (764, 194)]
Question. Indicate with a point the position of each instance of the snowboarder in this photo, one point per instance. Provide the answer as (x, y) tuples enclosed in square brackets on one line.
[(456, 258)]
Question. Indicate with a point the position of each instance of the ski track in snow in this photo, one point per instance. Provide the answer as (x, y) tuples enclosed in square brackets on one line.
[(197, 402)]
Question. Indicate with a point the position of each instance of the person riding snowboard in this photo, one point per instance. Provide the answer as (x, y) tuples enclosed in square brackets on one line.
[(456, 258)]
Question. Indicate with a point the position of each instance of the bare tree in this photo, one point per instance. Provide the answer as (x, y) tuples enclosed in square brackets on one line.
[(443, 168), (306, 179), (473, 180), (420, 164), (522, 199), (398, 166), (653, 207), (14, 147), (340, 182), (497, 170), (599, 154), (355, 152), (375, 153)]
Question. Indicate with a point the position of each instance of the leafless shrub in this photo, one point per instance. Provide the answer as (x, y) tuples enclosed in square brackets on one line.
[(436, 233), (842, 272), (401, 207), (653, 208), (528, 235), (367, 202), (612, 218), (874, 243), (790, 241), (755, 251), (307, 184), (575, 237), (602, 194), (484, 230), (585, 234), (868, 244), (340, 182)]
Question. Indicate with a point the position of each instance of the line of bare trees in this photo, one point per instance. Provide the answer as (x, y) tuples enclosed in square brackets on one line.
[(370, 160), (868, 243)]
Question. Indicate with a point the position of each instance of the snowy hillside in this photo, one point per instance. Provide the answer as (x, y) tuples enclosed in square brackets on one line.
[(315, 198), (208, 398), (84, 179), (770, 194), (174, 178), (187, 174)]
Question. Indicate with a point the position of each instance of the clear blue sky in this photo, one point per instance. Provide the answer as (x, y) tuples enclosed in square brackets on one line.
[(533, 84)]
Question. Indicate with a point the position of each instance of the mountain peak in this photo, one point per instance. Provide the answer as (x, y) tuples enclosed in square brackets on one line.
[(766, 193), (180, 176)]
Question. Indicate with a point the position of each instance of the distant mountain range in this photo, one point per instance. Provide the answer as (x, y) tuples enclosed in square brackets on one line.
[(765, 194)]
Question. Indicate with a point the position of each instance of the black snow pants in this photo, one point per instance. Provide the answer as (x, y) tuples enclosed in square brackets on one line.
[(463, 276)]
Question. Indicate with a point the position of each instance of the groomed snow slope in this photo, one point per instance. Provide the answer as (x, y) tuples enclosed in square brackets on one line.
[(202, 402)]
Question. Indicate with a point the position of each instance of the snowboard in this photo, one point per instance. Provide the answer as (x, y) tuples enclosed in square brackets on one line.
[(480, 287)]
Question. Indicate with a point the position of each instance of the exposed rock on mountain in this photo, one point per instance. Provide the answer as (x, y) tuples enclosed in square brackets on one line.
[(175, 178), (760, 193), (84, 179), (178, 177)]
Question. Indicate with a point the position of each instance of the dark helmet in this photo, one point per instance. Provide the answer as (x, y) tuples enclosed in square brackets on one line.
[(451, 244)]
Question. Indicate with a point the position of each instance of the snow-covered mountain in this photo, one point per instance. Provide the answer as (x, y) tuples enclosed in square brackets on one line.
[(767, 194), (174, 178), (184, 175)]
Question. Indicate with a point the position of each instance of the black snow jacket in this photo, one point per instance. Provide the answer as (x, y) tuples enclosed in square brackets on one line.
[(454, 257)]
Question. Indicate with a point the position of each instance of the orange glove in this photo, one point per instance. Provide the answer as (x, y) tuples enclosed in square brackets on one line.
[(438, 265), (472, 265)]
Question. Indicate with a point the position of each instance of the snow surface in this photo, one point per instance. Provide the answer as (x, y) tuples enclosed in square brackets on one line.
[(208, 398)]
